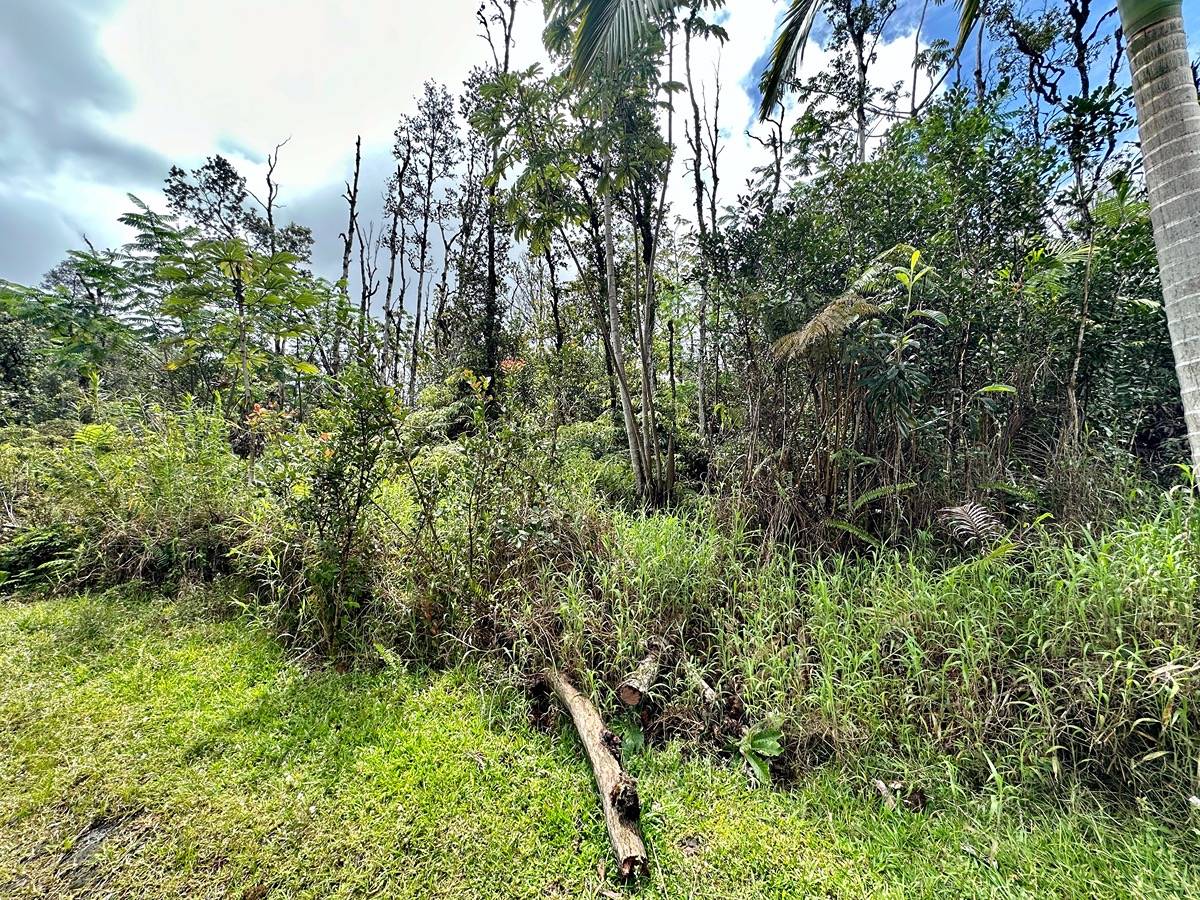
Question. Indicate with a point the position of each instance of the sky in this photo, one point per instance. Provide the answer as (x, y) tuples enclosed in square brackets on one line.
[(98, 98)]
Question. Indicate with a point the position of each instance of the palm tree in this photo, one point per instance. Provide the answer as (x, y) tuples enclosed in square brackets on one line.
[(1168, 122), (607, 29)]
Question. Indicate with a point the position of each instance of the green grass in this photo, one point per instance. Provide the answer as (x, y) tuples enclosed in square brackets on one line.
[(224, 769)]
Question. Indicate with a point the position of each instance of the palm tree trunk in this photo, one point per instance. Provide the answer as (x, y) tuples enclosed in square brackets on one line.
[(1169, 124)]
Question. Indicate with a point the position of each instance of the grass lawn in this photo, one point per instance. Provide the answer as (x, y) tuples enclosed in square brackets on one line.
[(148, 751)]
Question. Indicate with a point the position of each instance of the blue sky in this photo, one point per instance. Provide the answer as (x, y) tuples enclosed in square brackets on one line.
[(100, 97)]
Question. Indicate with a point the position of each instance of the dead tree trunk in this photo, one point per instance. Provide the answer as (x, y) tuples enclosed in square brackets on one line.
[(618, 792)]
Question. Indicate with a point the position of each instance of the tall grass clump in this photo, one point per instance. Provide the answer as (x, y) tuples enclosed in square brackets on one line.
[(1064, 654), (149, 501)]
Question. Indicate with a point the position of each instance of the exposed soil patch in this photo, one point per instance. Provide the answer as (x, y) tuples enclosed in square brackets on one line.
[(79, 867)]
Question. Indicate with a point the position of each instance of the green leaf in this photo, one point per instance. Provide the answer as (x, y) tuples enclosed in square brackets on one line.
[(1013, 490), (758, 765), (932, 314), (997, 389), (886, 491), (767, 742), (854, 530)]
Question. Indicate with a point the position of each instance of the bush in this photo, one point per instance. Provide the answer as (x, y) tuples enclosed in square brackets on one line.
[(313, 551)]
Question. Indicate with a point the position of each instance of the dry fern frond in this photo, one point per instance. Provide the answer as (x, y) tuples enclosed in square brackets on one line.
[(971, 523), (832, 321), (823, 329)]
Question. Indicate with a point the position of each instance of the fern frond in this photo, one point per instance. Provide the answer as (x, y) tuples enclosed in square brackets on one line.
[(888, 490), (864, 536), (823, 329), (971, 523)]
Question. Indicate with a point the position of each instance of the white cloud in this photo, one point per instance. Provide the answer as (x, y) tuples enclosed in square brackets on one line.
[(237, 77)]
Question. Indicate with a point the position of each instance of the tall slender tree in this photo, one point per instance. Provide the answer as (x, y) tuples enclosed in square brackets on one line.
[(1164, 90)]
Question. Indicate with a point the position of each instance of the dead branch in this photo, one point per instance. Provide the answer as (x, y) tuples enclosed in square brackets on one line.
[(695, 678), (618, 791)]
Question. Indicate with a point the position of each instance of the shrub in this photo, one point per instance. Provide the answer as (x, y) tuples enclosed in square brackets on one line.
[(312, 552)]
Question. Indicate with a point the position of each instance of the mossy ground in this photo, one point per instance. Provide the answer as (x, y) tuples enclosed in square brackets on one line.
[(150, 751)]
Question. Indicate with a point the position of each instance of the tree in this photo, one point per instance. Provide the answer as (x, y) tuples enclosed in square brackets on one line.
[(235, 306), (1169, 123), (431, 138)]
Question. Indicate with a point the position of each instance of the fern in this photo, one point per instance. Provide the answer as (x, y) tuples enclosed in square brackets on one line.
[(823, 329), (859, 533), (888, 490), (971, 523)]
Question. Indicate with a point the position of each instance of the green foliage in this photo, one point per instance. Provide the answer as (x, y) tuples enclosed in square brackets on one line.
[(237, 309), (482, 525), (758, 746), (33, 556), (152, 501), (877, 450), (311, 548)]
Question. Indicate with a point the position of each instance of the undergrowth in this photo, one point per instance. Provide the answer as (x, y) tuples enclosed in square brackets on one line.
[(149, 751), (1032, 660)]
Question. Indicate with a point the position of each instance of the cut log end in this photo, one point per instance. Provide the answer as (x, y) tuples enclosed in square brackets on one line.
[(634, 867), (633, 689), (629, 694)]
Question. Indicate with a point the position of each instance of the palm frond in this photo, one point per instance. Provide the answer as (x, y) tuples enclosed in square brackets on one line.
[(787, 51), (831, 322), (968, 18), (609, 29), (1049, 265)]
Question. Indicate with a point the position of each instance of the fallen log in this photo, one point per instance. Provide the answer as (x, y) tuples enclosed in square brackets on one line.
[(618, 791), (695, 677), (636, 686)]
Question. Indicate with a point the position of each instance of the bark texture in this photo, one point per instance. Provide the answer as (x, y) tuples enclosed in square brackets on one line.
[(618, 792), (1169, 124), (641, 680)]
